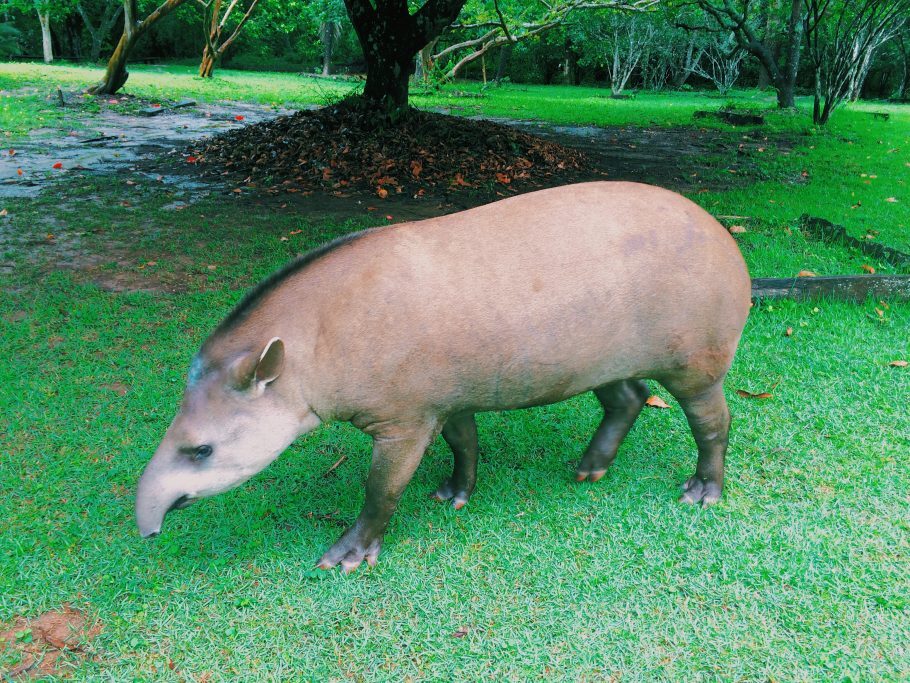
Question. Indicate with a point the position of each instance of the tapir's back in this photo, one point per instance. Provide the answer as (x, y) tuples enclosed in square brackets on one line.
[(524, 301)]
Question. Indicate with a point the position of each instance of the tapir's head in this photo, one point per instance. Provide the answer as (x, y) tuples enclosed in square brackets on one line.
[(237, 416)]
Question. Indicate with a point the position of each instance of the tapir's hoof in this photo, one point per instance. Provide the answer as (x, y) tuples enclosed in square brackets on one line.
[(696, 490), (448, 491), (594, 475), (350, 554)]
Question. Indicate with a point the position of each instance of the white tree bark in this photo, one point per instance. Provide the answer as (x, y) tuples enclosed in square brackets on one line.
[(44, 18)]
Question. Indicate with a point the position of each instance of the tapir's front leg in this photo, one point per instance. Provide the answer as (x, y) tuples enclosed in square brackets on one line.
[(397, 450)]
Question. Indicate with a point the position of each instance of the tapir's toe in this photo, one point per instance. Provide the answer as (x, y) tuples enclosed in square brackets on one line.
[(589, 475), (450, 491), (350, 555), (697, 490)]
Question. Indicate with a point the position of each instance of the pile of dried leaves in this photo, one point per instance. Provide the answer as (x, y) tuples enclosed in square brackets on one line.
[(340, 149)]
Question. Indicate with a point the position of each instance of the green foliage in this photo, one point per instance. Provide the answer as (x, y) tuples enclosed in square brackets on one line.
[(9, 40)]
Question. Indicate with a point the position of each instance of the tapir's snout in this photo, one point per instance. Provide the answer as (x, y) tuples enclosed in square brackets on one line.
[(156, 495)]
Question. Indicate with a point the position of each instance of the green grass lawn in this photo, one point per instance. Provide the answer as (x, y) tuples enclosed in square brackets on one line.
[(799, 574)]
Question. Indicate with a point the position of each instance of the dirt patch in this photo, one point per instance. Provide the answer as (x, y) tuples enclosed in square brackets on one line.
[(680, 158), (47, 645)]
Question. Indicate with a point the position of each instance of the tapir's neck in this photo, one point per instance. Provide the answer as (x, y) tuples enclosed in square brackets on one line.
[(270, 319)]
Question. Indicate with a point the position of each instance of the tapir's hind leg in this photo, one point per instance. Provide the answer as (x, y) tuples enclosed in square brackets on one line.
[(622, 402), (709, 420), (460, 432)]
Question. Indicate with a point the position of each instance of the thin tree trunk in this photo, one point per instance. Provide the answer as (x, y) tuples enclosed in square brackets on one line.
[(505, 52), (116, 74), (44, 18), (207, 65)]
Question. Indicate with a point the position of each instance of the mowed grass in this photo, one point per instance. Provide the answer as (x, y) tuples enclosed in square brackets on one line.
[(799, 574)]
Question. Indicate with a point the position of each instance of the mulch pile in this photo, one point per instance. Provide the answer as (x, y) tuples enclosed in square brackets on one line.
[(340, 149)]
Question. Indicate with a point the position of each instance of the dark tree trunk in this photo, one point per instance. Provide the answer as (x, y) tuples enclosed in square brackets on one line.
[(782, 76), (786, 94), (505, 54), (391, 37), (112, 11)]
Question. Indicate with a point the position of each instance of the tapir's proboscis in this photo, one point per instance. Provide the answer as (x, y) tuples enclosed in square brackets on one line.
[(409, 330)]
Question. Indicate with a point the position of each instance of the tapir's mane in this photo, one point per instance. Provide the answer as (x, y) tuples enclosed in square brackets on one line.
[(259, 292)]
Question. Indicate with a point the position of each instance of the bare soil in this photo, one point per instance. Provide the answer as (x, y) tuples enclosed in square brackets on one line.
[(46, 645)]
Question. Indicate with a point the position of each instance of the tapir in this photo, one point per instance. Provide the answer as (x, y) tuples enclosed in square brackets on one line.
[(407, 331)]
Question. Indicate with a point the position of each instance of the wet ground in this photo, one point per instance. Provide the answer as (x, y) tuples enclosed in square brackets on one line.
[(148, 154), (107, 142)]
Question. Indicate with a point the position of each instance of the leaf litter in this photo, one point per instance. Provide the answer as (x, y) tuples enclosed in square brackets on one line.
[(342, 149)]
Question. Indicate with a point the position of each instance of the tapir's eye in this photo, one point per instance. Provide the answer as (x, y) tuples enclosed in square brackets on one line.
[(202, 452)]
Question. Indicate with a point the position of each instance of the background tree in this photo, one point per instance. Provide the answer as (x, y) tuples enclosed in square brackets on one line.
[(391, 37), (46, 10), (748, 21), (902, 42), (490, 25), (616, 41), (842, 36), (9, 40), (133, 28), (331, 18), (106, 13), (216, 18), (720, 62)]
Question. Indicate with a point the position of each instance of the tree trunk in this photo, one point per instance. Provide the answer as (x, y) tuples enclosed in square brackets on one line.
[(386, 88), (390, 37), (424, 64), (207, 65), (505, 52), (786, 94), (44, 18), (328, 34), (99, 33), (115, 75)]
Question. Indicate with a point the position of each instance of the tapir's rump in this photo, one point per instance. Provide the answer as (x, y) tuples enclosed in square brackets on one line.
[(410, 329)]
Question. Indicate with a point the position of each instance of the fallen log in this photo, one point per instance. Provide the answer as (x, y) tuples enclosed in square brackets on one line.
[(735, 118), (830, 232), (842, 287)]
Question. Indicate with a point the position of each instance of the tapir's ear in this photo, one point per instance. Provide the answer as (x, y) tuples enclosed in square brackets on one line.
[(256, 372)]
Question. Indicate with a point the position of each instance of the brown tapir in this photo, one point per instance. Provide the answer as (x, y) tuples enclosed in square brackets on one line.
[(408, 330)]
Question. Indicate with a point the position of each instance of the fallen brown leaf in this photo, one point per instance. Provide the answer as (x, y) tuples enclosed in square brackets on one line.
[(737, 228), (118, 388), (788, 332), (382, 192), (806, 273), (15, 316), (656, 402), (749, 394), (898, 364), (893, 200), (868, 269), (460, 633)]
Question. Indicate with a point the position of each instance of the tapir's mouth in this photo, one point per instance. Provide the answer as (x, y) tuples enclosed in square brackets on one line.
[(181, 502)]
